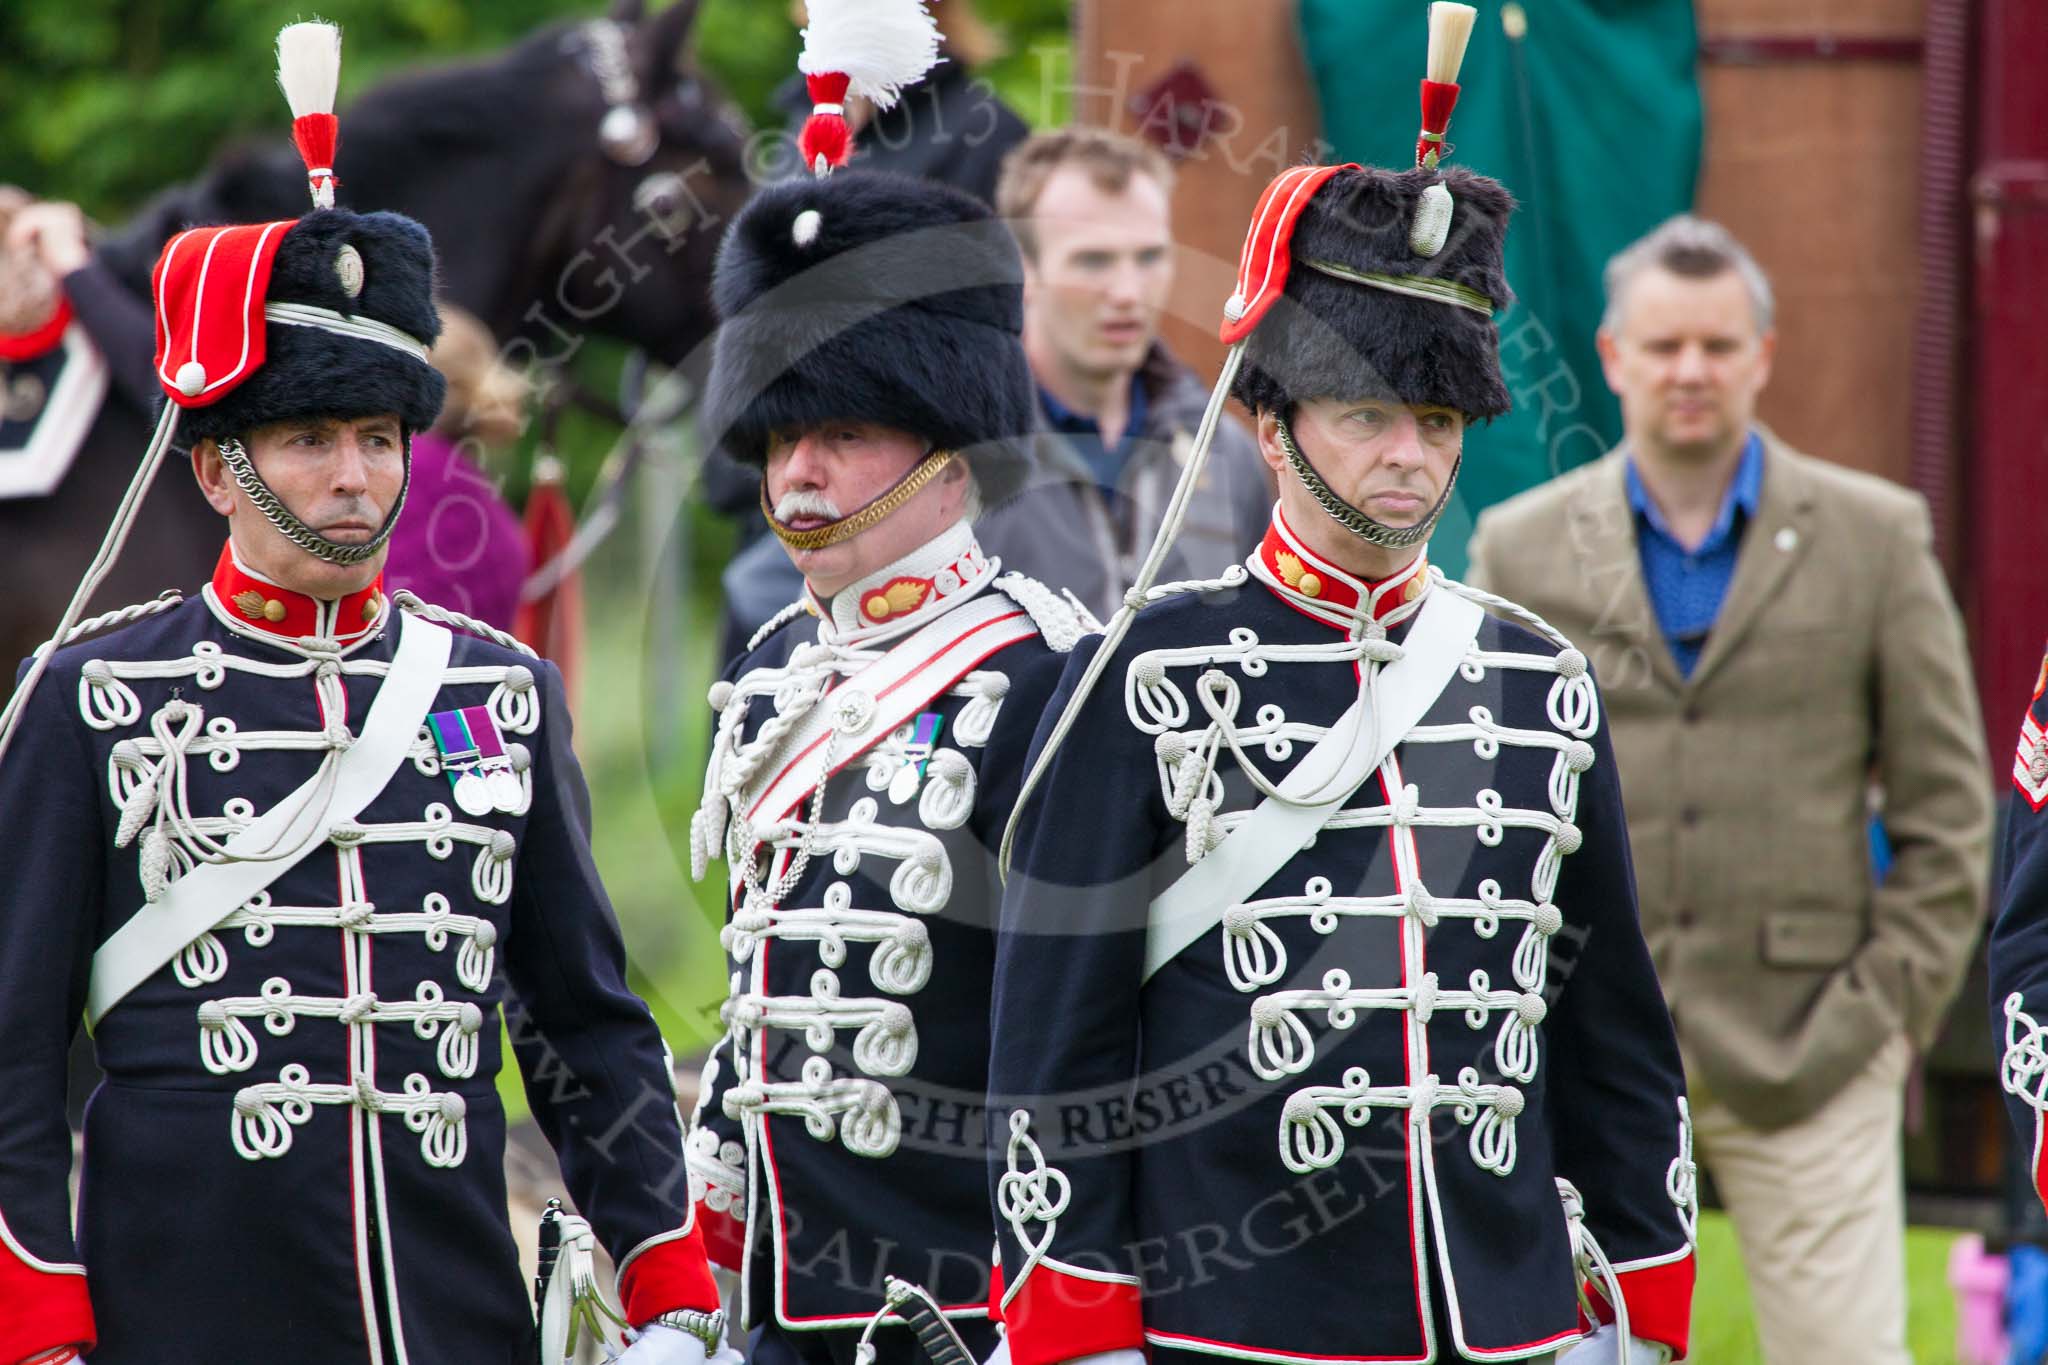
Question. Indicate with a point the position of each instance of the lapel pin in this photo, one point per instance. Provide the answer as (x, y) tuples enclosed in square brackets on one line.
[(1787, 539)]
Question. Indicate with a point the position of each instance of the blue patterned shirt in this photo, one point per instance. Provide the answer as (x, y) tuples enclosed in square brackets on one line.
[(1687, 584)]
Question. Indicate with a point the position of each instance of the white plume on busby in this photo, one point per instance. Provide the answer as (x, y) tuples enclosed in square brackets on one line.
[(870, 49), (309, 72)]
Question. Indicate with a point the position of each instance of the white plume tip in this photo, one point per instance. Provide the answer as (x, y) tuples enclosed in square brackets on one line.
[(881, 45), (1450, 28), (309, 66)]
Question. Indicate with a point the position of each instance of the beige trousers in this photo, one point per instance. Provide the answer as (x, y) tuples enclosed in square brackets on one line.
[(1819, 1211)]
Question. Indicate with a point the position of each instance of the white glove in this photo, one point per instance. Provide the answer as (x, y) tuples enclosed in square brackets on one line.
[(1123, 1355), (1604, 1348), (659, 1345)]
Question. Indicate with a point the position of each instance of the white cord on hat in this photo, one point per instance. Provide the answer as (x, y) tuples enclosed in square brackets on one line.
[(361, 328)]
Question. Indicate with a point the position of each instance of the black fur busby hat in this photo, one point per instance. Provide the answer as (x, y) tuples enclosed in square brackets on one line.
[(1369, 312), (370, 268), (873, 297)]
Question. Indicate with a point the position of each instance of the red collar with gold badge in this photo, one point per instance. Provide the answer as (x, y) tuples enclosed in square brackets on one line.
[(1313, 585), (263, 605)]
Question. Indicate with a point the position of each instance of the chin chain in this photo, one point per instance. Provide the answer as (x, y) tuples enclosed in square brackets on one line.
[(1349, 517), (236, 457)]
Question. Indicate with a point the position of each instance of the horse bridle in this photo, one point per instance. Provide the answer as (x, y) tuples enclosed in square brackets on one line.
[(628, 135), (628, 132)]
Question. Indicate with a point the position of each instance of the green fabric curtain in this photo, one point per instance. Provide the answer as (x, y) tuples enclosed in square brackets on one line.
[(1591, 116)]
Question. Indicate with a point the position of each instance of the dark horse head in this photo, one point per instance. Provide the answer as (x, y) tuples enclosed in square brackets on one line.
[(575, 185)]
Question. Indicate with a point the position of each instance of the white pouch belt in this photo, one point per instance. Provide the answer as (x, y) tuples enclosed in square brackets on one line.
[(1277, 830), (209, 893)]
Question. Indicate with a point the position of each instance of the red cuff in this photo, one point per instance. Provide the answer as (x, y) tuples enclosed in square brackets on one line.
[(2041, 1157), (1058, 1316), (41, 1310), (1659, 1302), (725, 1237), (667, 1276)]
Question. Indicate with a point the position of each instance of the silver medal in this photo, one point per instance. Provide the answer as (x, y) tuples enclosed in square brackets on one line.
[(905, 783), (472, 794), (505, 789)]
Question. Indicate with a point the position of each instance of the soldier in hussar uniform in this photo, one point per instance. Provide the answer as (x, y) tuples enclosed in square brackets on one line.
[(1324, 1028), (286, 845), (866, 750), (2019, 940)]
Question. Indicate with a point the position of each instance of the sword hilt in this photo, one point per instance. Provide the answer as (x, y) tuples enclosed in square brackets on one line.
[(917, 1307), (544, 1271)]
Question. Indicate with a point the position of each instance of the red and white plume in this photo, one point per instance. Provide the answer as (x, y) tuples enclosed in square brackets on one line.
[(309, 68), (865, 48), (1450, 28)]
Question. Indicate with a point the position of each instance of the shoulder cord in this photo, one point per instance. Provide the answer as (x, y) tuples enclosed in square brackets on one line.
[(777, 622), (121, 616), (1506, 608), (409, 601)]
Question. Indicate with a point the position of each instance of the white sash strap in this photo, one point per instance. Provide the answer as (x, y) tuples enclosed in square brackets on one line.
[(209, 893), (1250, 855), (871, 704)]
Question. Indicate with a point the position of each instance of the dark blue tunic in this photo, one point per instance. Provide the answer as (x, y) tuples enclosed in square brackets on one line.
[(841, 1135), (1334, 1126), (297, 1152)]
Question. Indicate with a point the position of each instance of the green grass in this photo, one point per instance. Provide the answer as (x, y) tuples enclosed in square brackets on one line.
[(1724, 1328)]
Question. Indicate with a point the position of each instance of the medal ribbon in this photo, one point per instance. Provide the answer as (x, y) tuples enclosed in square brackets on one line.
[(459, 751), (483, 733)]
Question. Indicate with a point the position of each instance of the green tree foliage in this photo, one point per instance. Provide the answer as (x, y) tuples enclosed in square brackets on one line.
[(106, 101)]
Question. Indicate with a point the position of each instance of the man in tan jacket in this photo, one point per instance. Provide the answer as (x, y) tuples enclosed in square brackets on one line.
[(1775, 642)]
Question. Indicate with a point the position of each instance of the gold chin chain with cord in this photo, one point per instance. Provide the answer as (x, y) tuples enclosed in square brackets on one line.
[(847, 527)]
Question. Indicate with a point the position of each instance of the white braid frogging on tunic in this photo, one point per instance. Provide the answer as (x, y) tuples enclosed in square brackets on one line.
[(148, 776), (1192, 736), (766, 862), (1035, 1195), (2023, 1067)]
